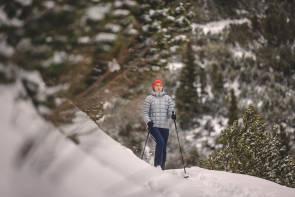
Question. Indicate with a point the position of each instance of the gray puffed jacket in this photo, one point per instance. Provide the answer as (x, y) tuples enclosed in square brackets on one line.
[(158, 107)]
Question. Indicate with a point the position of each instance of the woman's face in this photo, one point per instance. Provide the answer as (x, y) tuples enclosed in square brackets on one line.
[(158, 87)]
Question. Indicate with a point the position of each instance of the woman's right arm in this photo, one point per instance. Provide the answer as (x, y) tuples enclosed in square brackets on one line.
[(146, 109)]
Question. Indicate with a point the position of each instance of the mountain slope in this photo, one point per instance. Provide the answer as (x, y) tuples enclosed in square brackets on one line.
[(99, 166)]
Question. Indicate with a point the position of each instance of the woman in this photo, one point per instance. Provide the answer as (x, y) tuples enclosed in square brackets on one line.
[(157, 109)]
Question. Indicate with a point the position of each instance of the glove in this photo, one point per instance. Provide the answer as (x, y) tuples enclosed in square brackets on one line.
[(173, 116), (150, 124)]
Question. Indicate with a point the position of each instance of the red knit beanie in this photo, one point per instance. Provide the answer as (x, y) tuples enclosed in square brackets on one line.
[(157, 81)]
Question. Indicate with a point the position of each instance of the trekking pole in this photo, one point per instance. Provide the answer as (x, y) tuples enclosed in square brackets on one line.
[(147, 137), (185, 175)]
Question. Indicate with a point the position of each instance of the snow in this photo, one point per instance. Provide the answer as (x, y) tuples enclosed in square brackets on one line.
[(24, 44), (239, 53), (206, 134), (217, 26), (49, 4), (113, 65), (132, 31), (179, 38), (25, 2), (121, 12), (8, 21), (246, 102), (233, 85), (105, 37), (113, 27), (75, 58), (175, 65), (98, 165), (128, 3), (84, 39), (107, 105), (156, 68), (57, 58), (97, 13), (174, 48), (5, 49)]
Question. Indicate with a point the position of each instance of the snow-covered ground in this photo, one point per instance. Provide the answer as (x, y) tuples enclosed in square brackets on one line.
[(37, 160), (217, 27)]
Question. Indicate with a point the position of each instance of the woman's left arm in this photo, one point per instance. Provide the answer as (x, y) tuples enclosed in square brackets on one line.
[(170, 106)]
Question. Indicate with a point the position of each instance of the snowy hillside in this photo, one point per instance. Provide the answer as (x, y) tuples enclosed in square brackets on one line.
[(38, 160)]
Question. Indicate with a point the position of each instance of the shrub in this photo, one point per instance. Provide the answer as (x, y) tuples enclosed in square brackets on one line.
[(249, 149)]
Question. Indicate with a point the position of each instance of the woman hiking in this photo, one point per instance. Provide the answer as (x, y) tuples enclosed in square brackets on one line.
[(157, 109)]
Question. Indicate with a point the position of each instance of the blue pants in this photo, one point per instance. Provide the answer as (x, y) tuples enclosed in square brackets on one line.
[(160, 135)]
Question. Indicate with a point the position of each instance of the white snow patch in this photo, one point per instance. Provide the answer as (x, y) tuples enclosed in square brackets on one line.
[(132, 31), (76, 58), (121, 12), (105, 37), (239, 53), (113, 65), (118, 3), (113, 27), (7, 21), (174, 48), (130, 3), (208, 89), (49, 4), (145, 27), (24, 44), (204, 63), (217, 26), (5, 49), (97, 13), (233, 85), (156, 68), (25, 2), (206, 134), (175, 65), (179, 38), (246, 102), (259, 104), (107, 105), (43, 91), (84, 39), (57, 58)]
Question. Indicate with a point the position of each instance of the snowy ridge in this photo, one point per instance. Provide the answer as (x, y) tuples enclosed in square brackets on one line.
[(217, 27), (98, 166)]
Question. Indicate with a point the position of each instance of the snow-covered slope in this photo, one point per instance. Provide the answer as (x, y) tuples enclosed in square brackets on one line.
[(36, 159)]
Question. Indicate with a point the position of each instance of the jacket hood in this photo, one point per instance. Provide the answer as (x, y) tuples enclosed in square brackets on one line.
[(158, 94)]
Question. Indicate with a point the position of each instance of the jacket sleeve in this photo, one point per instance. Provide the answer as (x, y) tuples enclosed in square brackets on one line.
[(170, 106), (146, 109)]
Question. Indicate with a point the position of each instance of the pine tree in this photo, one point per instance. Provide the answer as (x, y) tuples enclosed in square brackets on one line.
[(165, 25), (186, 93), (203, 81), (216, 78), (250, 149), (233, 108)]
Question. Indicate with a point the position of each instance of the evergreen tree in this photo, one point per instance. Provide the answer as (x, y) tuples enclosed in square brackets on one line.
[(250, 149), (165, 25), (216, 78), (233, 108), (186, 93), (203, 81)]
